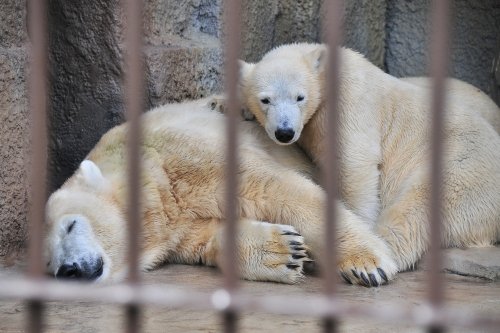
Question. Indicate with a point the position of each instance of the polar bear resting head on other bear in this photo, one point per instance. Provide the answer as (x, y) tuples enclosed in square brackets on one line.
[(384, 145)]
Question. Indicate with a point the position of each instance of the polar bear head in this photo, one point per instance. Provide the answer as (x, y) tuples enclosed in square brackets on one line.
[(85, 230), (284, 89)]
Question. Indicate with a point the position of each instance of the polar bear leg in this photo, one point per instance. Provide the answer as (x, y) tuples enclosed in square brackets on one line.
[(470, 206), (364, 258), (285, 197), (404, 225), (266, 252)]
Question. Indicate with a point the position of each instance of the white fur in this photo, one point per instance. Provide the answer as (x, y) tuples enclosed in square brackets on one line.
[(384, 131), (182, 185)]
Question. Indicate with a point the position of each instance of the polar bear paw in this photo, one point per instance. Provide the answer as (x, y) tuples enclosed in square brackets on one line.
[(273, 252), (218, 103), (368, 267)]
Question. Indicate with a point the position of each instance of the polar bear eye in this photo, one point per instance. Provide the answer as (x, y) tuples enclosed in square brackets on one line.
[(265, 100), (300, 98), (71, 225)]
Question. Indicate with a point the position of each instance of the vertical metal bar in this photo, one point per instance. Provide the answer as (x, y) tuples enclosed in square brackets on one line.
[(35, 316), (232, 10), (333, 35), (37, 27), (438, 67), (134, 87)]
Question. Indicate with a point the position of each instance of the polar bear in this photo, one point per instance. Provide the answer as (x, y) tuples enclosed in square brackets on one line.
[(476, 100), (384, 134), (182, 186)]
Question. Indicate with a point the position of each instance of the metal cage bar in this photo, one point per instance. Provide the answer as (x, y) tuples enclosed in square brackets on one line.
[(232, 32), (439, 54), (333, 33), (317, 306), (37, 29), (134, 96)]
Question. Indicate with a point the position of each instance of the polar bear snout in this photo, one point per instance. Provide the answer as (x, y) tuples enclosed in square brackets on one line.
[(284, 135), (283, 122), (74, 252), (84, 270)]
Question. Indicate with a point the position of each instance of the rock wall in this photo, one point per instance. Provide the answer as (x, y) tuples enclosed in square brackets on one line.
[(475, 39), (86, 95), (274, 22), (183, 59), (14, 126)]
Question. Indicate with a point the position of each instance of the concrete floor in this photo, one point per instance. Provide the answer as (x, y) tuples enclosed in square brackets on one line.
[(408, 288)]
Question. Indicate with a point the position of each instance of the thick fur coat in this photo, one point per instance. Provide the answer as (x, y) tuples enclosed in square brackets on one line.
[(182, 211), (384, 153)]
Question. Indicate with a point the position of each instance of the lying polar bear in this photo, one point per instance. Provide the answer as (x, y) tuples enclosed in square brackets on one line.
[(183, 201), (384, 135)]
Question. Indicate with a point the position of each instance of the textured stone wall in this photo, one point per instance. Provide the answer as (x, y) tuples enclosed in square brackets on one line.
[(183, 59), (476, 38), (365, 28), (86, 95), (14, 126), (183, 50), (270, 23)]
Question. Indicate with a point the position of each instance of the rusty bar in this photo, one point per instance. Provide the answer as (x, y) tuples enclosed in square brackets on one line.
[(232, 10), (133, 106), (232, 23), (311, 305), (439, 54), (38, 104), (37, 28), (333, 36), (35, 316), (134, 87)]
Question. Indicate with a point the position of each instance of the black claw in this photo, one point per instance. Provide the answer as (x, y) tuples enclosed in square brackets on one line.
[(355, 273), (295, 243), (365, 280), (382, 274), (298, 256), (290, 233), (292, 266), (373, 280), (345, 277), (298, 248), (309, 266)]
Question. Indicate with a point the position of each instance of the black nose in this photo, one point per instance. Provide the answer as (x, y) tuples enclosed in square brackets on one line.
[(284, 135), (68, 271), (81, 271)]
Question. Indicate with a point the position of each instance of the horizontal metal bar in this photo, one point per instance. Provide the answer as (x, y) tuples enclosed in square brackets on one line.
[(315, 306)]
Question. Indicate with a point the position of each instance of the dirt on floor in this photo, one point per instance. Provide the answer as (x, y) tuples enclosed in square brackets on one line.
[(409, 288)]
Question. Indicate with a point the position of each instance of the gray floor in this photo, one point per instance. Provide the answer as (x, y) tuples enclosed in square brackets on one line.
[(473, 294)]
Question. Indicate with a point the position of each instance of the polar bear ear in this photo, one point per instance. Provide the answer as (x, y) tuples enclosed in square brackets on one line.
[(245, 69), (92, 175), (318, 58)]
